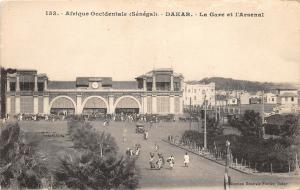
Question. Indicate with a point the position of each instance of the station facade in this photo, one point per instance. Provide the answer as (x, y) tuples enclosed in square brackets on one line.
[(156, 92)]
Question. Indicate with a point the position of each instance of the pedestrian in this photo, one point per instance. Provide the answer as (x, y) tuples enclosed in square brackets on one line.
[(171, 161), (186, 159), (20, 117), (159, 163), (137, 151), (151, 161), (146, 134), (131, 152), (160, 155)]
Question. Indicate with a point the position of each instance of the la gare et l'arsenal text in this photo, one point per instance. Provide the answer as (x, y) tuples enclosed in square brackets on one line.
[(214, 14), (231, 14)]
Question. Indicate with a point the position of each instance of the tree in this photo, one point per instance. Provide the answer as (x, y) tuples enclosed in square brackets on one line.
[(249, 124), (213, 128), (290, 127), (84, 136)]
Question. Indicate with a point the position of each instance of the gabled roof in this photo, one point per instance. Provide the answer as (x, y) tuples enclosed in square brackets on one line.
[(61, 85)]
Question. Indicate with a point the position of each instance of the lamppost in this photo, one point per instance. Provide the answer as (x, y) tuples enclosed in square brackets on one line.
[(226, 176)]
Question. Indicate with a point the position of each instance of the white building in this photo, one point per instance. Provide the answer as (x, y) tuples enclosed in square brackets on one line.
[(288, 97), (195, 93), (245, 98), (270, 98), (287, 101)]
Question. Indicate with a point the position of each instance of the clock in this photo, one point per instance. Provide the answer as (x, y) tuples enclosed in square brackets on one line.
[(95, 85)]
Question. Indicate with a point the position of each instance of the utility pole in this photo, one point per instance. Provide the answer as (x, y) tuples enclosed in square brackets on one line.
[(296, 165), (190, 113), (240, 105), (216, 114), (205, 140), (263, 114)]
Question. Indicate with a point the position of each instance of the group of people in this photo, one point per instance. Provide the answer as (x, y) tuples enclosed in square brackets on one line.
[(38, 117), (130, 152), (124, 117), (160, 162)]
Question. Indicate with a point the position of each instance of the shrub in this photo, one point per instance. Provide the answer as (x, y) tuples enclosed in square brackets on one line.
[(90, 171), (95, 163), (262, 152), (284, 126), (18, 159), (193, 137)]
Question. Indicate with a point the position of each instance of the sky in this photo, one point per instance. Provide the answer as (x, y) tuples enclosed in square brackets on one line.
[(65, 47)]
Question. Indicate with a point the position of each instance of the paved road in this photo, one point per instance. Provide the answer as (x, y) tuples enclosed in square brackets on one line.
[(201, 172)]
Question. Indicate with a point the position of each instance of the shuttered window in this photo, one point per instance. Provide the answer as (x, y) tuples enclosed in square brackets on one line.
[(177, 104), (26, 103), (13, 105), (41, 104), (149, 104), (163, 104)]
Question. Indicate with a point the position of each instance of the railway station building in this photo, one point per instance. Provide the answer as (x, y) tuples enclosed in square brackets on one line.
[(155, 92)]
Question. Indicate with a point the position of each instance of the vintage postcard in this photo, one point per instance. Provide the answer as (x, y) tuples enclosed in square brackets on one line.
[(99, 95)]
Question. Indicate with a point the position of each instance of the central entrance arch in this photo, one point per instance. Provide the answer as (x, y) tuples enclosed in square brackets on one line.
[(63, 105), (127, 104), (94, 105)]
